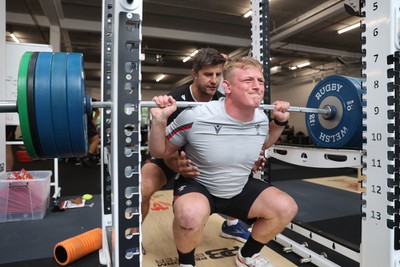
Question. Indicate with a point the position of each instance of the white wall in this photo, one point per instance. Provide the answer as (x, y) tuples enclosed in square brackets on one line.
[(93, 92)]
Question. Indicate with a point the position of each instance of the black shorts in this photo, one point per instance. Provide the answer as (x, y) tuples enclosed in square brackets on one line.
[(92, 131), (238, 206), (169, 173)]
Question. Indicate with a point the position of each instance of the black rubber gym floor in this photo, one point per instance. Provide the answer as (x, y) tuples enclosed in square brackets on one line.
[(31, 243)]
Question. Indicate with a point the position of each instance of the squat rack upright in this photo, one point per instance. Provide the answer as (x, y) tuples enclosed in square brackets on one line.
[(120, 170)]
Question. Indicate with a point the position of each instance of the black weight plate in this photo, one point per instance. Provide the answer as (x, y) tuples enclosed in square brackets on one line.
[(31, 104)]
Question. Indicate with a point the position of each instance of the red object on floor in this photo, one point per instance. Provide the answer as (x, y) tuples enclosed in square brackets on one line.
[(23, 156)]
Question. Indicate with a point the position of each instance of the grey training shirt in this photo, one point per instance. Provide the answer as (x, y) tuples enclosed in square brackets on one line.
[(223, 148)]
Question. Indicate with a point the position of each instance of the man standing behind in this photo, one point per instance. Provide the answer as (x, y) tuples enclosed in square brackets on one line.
[(223, 139)]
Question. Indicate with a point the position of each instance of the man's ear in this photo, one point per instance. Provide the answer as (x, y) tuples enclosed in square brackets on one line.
[(226, 86), (194, 74)]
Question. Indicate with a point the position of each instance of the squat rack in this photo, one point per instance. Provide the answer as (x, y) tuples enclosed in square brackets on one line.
[(121, 218)]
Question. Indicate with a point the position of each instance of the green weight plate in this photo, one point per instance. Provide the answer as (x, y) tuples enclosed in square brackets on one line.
[(76, 104), (22, 104), (59, 105), (31, 104)]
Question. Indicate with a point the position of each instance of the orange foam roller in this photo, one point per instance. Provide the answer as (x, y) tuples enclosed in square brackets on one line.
[(78, 246)]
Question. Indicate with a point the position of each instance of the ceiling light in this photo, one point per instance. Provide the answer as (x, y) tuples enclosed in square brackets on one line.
[(247, 14), (275, 69), (194, 53), (12, 35), (351, 27), (304, 64), (159, 78), (300, 65), (190, 56)]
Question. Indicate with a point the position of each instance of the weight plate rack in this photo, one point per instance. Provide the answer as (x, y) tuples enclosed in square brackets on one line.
[(260, 50), (260, 41), (126, 141), (106, 60), (121, 131), (380, 222), (393, 156)]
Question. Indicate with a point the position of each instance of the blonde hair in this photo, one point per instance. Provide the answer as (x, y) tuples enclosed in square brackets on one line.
[(241, 63)]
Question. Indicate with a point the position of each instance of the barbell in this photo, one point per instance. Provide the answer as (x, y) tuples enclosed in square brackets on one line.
[(53, 107)]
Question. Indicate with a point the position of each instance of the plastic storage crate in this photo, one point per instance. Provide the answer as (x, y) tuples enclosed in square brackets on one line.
[(24, 199)]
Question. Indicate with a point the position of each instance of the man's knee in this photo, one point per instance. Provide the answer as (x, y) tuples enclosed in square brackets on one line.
[(191, 212), (280, 206), (289, 209), (190, 219)]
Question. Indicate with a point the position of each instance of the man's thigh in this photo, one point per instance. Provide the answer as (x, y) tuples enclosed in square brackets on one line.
[(270, 203), (241, 205)]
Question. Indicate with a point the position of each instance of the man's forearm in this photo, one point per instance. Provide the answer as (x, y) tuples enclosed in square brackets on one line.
[(157, 138), (172, 162)]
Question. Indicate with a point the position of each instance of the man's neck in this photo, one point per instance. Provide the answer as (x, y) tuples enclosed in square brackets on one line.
[(198, 96), (244, 114)]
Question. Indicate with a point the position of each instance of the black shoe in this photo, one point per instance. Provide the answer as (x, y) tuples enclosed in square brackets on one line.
[(78, 162), (90, 160)]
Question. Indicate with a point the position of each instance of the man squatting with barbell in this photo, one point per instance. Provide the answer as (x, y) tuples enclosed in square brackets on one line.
[(156, 173), (223, 139)]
